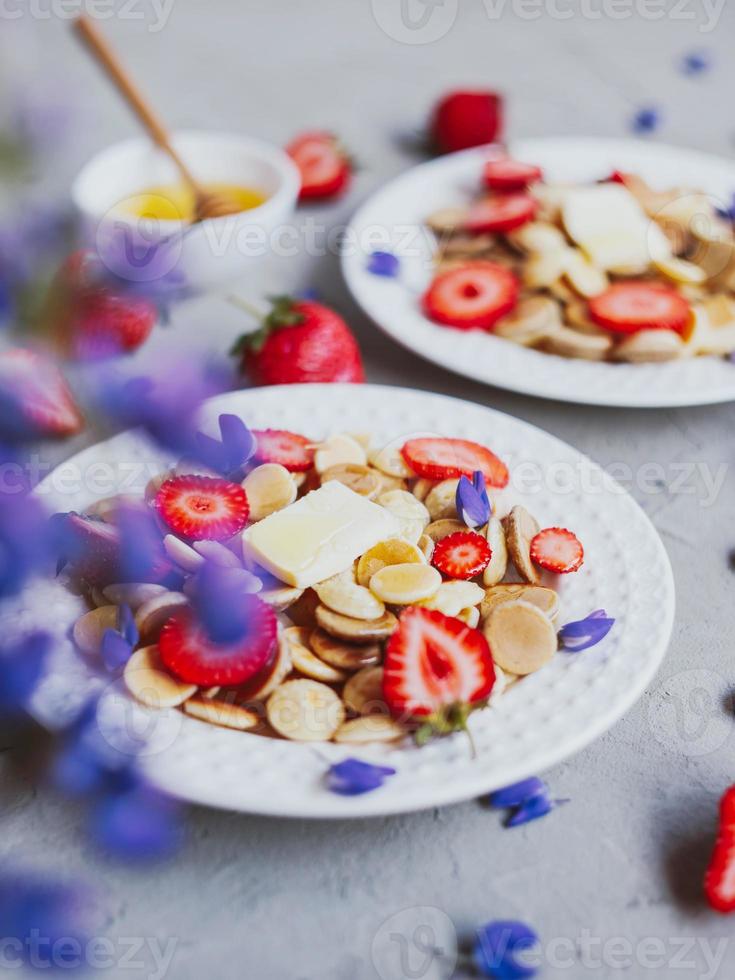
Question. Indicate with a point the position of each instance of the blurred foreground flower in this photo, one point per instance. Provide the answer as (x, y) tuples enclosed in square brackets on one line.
[(228, 454), (21, 668), (35, 400), (25, 542)]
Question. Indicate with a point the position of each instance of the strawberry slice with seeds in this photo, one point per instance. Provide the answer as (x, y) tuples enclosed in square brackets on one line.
[(557, 550), (630, 306), (202, 507), (437, 669), (435, 458), (719, 880), (473, 296), (500, 213), (188, 652), (35, 400), (324, 165), (287, 448), (462, 555), (507, 174)]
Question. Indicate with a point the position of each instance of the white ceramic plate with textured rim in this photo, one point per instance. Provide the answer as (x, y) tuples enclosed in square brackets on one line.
[(540, 721), (393, 218)]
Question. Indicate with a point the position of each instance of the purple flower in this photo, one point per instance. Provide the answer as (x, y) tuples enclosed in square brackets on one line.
[(585, 633), (21, 668), (384, 264), (351, 777), (141, 553), (728, 213), (529, 800), (43, 924), (499, 947), (646, 120), (118, 644), (531, 809), (517, 793), (473, 506), (138, 823), (41, 122), (223, 602), (25, 543), (695, 63), (229, 454)]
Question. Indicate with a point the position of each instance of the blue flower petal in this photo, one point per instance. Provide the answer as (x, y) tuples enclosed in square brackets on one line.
[(142, 557), (695, 63), (384, 264), (471, 500), (115, 650), (138, 823), (584, 633), (231, 452), (517, 793), (531, 809), (351, 777), (646, 120), (21, 668), (126, 626), (499, 947)]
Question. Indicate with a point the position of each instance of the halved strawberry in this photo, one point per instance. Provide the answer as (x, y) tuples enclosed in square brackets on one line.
[(500, 213), (202, 507), (192, 656), (463, 554), (324, 165), (287, 448), (557, 550), (719, 880), (471, 296), (506, 174), (438, 669), (629, 306), (436, 458), (35, 400)]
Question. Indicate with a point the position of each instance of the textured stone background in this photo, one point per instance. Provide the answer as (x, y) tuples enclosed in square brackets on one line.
[(618, 870)]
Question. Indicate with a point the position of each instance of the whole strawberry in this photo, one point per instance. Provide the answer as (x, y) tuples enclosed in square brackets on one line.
[(89, 318), (467, 118), (300, 341)]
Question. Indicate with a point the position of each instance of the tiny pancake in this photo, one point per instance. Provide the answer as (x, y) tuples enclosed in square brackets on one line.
[(371, 728), (571, 343), (584, 277), (305, 711), (269, 487), (281, 598), (425, 544), (182, 554), (496, 567), (471, 616), (150, 683), (443, 528), (222, 713), (91, 627), (355, 630), (421, 487), (306, 663), (389, 461), (454, 596), (531, 321), (649, 346), (520, 528), (341, 655), (359, 478), (337, 451), (393, 551), (258, 688), (342, 594), (363, 692), (521, 637), (441, 500), (538, 595), (402, 585), (410, 513)]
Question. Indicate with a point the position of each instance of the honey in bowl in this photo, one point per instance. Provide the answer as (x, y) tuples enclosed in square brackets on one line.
[(176, 201)]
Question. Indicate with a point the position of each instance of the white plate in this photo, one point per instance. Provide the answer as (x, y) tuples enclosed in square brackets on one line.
[(540, 721), (393, 218)]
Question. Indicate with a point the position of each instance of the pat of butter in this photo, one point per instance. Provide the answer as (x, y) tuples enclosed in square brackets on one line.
[(609, 225), (319, 535)]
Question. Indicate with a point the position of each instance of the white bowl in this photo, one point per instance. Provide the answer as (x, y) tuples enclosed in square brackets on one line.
[(173, 256)]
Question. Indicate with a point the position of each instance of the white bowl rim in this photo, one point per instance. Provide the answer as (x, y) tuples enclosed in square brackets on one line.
[(290, 179)]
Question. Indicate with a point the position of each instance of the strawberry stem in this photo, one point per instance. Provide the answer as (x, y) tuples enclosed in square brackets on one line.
[(247, 307)]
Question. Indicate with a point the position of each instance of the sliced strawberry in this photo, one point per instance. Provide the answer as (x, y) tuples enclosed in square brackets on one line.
[(35, 400), (500, 213), (190, 655), (629, 306), (463, 554), (557, 550), (506, 174), (617, 177), (324, 165), (435, 458), (287, 448), (436, 668), (719, 880), (471, 296), (202, 507)]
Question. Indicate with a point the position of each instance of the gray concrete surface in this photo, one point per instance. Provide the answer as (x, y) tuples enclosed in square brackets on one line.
[(612, 881)]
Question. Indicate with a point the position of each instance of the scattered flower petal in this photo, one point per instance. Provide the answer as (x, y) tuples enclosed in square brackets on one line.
[(518, 793), (499, 947), (531, 809), (695, 63), (115, 650), (646, 120), (585, 633), (351, 777), (21, 668), (138, 823), (473, 506), (384, 264), (231, 452), (25, 546)]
